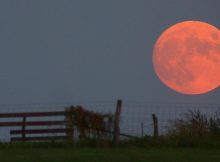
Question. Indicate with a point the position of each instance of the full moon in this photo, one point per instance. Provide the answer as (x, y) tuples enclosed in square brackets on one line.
[(186, 57)]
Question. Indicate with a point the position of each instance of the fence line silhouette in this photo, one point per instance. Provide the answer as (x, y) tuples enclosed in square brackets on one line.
[(135, 119)]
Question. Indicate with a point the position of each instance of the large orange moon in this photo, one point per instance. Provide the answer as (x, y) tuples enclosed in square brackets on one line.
[(186, 57)]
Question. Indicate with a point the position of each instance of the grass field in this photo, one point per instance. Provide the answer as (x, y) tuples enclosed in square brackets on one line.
[(108, 155)]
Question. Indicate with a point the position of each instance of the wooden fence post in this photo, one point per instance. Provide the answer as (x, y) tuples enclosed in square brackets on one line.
[(69, 124), (116, 137), (142, 129), (155, 122), (23, 129)]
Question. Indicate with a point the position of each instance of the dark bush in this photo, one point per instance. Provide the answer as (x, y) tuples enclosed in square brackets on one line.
[(195, 129)]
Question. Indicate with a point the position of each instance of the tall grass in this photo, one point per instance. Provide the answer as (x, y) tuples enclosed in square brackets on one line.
[(196, 129)]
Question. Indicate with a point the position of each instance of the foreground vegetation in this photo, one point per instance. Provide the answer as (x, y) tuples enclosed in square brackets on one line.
[(196, 138), (108, 155)]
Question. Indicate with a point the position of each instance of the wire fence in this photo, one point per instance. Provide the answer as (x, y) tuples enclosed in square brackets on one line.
[(135, 118)]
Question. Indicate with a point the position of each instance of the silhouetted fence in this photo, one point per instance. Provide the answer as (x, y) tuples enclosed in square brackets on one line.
[(113, 120)]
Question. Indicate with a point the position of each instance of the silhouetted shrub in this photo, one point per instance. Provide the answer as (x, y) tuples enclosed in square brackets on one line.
[(195, 129), (91, 124)]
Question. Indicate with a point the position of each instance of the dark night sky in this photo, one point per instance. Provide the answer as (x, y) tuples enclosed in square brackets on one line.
[(55, 51)]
